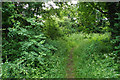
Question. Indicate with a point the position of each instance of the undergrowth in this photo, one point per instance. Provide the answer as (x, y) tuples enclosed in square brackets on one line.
[(58, 59), (93, 57)]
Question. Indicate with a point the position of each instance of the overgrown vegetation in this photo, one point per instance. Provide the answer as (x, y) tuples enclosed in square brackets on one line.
[(38, 37), (93, 57)]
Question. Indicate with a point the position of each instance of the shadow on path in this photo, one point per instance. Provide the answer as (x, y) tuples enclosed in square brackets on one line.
[(70, 69)]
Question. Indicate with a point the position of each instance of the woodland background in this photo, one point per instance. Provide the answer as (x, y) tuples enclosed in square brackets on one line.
[(37, 38)]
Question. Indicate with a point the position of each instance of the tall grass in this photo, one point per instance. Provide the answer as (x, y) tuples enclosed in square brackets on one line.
[(92, 55), (58, 60)]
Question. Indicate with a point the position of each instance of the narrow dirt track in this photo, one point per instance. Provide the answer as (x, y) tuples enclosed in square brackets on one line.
[(70, 69)]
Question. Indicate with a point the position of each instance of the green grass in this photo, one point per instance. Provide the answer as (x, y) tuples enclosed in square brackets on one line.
[(92, 56), (58, 60)]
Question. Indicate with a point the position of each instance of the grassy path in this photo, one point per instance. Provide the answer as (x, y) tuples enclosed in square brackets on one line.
[(70, 69), (90, 57)]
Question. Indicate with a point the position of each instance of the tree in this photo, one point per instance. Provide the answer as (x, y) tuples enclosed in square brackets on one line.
[(109, 9)]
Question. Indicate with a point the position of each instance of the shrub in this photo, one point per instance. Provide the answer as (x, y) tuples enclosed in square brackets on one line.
[(52, 29), (25, 51)]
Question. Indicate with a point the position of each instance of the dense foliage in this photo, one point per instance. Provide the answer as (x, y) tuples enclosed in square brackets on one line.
[(38, 37)]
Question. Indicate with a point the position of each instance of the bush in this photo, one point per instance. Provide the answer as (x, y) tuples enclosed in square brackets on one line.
[(116, 41), (25, 51), (52, 29)]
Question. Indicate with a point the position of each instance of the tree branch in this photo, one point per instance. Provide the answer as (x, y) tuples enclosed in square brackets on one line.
[(98, 9)]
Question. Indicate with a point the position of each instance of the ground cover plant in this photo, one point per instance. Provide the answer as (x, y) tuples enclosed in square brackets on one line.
[(92, 55)]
